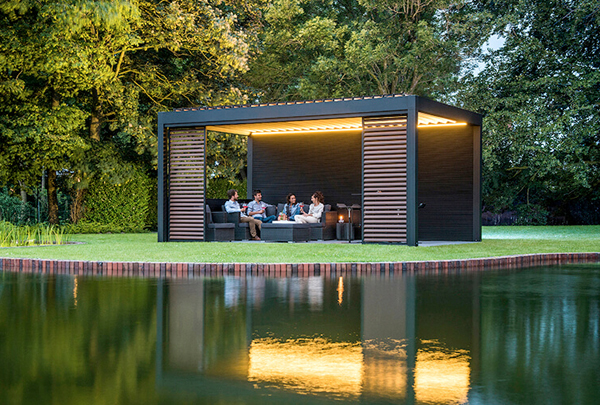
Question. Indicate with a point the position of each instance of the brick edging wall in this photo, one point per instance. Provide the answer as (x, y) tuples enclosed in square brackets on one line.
[(188, 270)]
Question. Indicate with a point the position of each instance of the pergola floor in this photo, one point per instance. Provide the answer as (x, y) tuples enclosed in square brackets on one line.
[(335, 241)]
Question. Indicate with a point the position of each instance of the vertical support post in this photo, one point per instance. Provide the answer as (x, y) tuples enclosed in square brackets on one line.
[(477, 179), (161, 181), (412, 220), (250, 158), (362, 184), (205, 189)]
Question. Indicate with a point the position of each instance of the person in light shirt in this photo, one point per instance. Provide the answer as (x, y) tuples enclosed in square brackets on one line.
[(257, 208), (232, 205), (315, 212)]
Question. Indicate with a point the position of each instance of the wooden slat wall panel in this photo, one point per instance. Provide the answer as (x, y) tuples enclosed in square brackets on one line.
[(384, 179), (186, 184)]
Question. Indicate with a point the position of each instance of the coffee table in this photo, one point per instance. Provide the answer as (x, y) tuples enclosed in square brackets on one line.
[(285, 231)]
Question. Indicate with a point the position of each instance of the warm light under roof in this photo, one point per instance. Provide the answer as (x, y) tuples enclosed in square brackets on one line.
[(328, 125)]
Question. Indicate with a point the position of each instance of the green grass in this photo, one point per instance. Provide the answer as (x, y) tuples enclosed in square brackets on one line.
[(497, 241)]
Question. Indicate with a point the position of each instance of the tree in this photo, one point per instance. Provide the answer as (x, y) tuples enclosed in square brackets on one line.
[(540, 94), (314, 49), (81, 75)]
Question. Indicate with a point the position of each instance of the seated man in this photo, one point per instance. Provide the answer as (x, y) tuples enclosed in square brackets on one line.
[(233, 206), (257, 208)]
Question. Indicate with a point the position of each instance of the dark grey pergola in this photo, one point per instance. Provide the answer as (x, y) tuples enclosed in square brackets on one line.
[(412, 164)]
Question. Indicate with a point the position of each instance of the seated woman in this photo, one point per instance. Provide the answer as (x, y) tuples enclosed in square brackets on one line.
[(291, 208), (315, 212)]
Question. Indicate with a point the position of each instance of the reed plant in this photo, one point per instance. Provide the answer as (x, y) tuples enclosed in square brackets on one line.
[(31, 235)]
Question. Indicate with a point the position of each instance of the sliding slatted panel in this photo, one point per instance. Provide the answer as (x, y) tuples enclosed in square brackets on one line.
[(384, 179), (186, 184)]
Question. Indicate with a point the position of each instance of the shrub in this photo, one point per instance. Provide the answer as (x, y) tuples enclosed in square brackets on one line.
[(218, 187), (13, 210), (584, 212), (152, 218), (120, 207), (531, 214)]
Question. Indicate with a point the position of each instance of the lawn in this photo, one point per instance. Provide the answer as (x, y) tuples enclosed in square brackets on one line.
[(497, 241)]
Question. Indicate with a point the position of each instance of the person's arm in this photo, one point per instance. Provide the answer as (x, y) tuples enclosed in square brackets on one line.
[(230, 206), (254, 206)]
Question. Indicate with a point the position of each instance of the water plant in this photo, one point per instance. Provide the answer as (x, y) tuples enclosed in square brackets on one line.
[(30, 235)]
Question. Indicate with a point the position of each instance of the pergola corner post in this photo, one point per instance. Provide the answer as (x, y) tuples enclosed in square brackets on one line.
[(477, 181), (249, 162), (161, 182), (412, 220)]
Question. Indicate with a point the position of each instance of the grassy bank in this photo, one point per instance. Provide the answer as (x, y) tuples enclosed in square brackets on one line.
[(497, 241)]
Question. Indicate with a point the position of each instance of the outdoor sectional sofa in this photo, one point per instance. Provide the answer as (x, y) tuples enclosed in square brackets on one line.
[(287, 231)]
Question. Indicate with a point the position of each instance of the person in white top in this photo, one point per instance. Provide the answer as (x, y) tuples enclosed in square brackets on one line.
[(315, 212)]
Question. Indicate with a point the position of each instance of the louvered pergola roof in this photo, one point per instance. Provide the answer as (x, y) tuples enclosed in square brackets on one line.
[(326, 125), (311, 115)]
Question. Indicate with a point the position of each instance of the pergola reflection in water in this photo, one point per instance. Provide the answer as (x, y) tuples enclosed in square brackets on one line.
[(293, 338)]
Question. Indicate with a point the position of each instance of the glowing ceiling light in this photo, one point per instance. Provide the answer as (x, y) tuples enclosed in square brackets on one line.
[(303, 131), (456, 124)]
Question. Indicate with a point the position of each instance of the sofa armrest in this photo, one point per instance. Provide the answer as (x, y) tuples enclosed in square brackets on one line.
[(271, 210), (219, 217), (233, 217)]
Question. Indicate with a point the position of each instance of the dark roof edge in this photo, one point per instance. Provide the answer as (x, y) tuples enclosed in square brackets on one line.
[(429, 106), (315, 109), (325, 100)]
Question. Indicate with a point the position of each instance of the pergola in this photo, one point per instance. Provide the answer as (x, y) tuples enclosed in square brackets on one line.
[(412, 164)]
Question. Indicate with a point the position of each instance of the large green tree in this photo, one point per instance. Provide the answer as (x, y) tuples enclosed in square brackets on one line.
[(82, 76), (314, 49), (540, 93)]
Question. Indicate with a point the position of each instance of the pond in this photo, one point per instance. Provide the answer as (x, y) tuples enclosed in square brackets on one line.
[(529, 336)]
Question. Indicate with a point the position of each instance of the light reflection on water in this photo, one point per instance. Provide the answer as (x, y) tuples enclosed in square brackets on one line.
[(506, 337), (307, 366)]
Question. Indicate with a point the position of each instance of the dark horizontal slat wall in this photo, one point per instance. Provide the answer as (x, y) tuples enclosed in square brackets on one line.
[(186, 184), (446, 183), (384, 183), (305, 163)]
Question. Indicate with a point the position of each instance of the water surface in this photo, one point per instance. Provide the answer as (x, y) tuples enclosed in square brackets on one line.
[(528, 336)]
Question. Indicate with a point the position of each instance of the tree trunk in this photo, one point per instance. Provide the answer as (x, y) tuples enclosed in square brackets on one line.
[(77, 205), (23, 193), (52, 198), (95, 119), (23, 201)]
